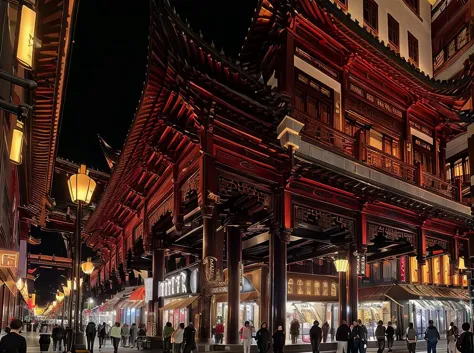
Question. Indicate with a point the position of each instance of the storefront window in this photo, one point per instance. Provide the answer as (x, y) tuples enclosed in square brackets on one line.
[(436, 270), (446, 270), (413, 269), (426, 273)]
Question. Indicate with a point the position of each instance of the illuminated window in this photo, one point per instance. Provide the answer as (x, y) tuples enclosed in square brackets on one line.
[(413, 49), (325, 288), (413, 269), (446, 271), (376, 139), (448, 172), (425, 272), (456, 279), (458, 168), (464, 281), (436, 270), (467, 166)]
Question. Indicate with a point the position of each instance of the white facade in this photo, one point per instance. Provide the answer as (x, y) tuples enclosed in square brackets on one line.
[(419, 26)]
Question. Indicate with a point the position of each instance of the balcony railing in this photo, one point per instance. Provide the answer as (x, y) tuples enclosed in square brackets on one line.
[(439, 186), (452, 48), (319, 133), (394, 166)]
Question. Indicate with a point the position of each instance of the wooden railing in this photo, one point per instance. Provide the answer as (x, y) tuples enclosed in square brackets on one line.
[(439, 186), (394, 166), (452, 48), (319, 133)]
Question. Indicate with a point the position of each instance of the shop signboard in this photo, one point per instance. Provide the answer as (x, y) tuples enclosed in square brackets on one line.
[(308, 287), (148, 289), (177, 284), (8, 259)]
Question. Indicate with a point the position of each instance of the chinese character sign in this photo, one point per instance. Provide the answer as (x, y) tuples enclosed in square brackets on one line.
[(8, 258)]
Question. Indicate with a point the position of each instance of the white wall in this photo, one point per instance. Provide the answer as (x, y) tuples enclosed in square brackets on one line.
[(408, 20)]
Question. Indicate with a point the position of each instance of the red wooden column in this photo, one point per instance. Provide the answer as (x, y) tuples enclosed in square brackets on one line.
[(234, 276), (158, 268), (279, 238), (208, 184)]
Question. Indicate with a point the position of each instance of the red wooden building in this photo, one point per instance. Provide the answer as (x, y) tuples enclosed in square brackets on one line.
[(246, 179)]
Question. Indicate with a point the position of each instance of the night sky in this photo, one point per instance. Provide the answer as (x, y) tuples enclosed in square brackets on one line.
[(106, 78)]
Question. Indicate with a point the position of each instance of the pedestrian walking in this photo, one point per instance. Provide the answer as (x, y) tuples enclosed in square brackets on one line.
[(452, 336), (247, 336), (294, 331), (355, 339), (263, 338), (465, 342), (91, 331), (325, 329), (178, 338), (219, 334), (189, 338), (133, 335), (380, 333), (12, 342), (57, 335), (390, 332), (115, 335), (315, 335), (343, 335), (411, 338), (432, 337), (364, 333), (102, 333), (278, 340), (125, 332), (167, 333)]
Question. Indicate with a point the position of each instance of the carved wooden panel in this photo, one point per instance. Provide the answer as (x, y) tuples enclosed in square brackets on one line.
[(191, 184), (321, 218), (389, 232), (228, 186), (166, 206)]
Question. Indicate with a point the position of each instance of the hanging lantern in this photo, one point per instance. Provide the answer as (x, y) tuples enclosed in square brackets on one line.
[(26, 37), (81, 186), (87, 267), (461, 264), (341, 264), (59, 296), (16, 146)]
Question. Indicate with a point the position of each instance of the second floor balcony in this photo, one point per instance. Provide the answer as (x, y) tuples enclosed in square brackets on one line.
[(357, 148)]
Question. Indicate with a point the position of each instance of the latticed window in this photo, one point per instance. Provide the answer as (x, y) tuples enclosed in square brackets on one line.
[(413, 48), (393, 31), (414, 5), (371, 14)]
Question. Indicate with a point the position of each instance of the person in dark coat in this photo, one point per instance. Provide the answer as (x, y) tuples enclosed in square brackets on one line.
[(316, 335), (465, 342), (343, 335), (356, 337), (278, 340), (102, 333), (263, 338), (325, 329), (91, 331), (189, 338), (12, 342), (57, 336), (390, 332)]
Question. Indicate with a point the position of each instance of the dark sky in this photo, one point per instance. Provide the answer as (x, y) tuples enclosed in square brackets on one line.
[(108, 66), (106, 78)]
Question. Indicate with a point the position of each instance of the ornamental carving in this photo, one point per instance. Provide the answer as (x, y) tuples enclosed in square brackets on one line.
[(192, 184), (165, 207), (430, 242), (374, 100), (209, 264), (372, 114), (322, 219), (389, 232), (228, 185)]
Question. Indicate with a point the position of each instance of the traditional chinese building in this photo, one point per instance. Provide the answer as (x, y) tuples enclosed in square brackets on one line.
[(243, 182)]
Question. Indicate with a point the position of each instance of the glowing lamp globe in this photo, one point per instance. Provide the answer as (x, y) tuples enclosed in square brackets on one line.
[(461, 264), (341, 265), (16, 147), (87, 267), (81, 186)]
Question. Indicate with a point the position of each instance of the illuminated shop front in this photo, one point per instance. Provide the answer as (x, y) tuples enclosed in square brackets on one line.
[(310, 298), (180, 293)]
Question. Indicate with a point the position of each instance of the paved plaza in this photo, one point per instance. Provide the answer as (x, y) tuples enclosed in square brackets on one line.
[(33, 346)]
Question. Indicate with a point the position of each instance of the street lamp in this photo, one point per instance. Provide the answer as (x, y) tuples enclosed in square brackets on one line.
[(341, 264), (87, 267), (81, 189)]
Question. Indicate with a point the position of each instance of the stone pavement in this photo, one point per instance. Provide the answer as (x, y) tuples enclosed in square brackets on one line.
[(33, 346)]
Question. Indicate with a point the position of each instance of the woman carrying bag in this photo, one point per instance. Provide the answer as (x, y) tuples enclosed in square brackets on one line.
[(411, 338)]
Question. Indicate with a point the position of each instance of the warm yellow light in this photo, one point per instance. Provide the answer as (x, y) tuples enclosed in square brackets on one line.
[(87, 267), (461, 264), (55, 303), (26, 37), (66, 291), (81, 186), (432, 2), (59, 296), (17, 143), (341, 265)]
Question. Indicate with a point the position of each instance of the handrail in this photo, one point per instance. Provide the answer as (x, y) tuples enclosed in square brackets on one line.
[(438, 186), (387, 163)]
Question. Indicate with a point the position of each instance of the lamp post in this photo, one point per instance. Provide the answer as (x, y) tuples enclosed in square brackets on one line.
[(81, 189)]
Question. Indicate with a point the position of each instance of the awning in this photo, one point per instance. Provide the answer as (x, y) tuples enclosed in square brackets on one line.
[(110, 304), (439, 305), (138, 294), (244, 297), (398, 292), (179, 303)]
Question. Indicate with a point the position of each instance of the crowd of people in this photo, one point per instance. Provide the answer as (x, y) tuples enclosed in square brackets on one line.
[(179, 340)]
